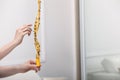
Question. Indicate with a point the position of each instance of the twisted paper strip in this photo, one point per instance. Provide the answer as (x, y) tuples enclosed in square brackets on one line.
[(36, 42)]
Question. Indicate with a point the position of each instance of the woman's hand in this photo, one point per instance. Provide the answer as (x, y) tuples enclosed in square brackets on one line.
[(6, 71), (21, 32), (27, 66)]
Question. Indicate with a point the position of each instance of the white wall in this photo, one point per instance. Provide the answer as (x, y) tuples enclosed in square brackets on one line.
[(59, 35), (102, 30)]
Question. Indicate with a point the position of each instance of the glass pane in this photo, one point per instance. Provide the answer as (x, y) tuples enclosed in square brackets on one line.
[(102, 39)]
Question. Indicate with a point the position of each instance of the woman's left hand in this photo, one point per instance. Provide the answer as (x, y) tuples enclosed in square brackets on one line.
[(21, 32)]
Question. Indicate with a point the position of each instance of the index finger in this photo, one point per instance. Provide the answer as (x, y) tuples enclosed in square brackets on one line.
[(29, 25), (26, 26)]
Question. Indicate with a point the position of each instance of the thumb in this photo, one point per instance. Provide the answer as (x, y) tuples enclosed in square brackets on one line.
[(34, 67)]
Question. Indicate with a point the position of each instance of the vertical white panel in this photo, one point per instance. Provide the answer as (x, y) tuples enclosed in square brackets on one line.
[(82, 39), (42, 32)]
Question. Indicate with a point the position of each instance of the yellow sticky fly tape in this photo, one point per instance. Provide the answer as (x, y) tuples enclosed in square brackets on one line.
[(36, 42), (38, 60)]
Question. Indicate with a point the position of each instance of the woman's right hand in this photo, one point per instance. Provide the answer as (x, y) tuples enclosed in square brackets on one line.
[(21, 32), (27, 66)]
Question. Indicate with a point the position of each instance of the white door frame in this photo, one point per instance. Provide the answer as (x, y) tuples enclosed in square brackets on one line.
[(82, 39)]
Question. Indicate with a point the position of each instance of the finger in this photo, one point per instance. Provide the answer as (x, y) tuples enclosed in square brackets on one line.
[(39, 68), (26, 32), (34, 67), (29, 24), (36, 70), (29, 33), (26, 26), (32, 61), (27, 29)]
